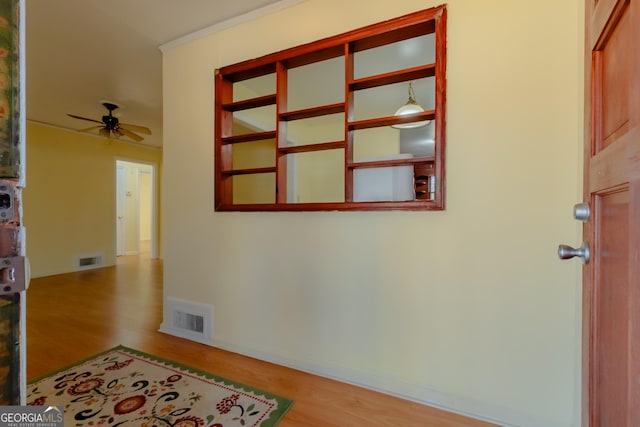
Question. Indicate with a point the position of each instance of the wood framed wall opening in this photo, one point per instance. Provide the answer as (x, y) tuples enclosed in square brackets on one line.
[(315, 127)]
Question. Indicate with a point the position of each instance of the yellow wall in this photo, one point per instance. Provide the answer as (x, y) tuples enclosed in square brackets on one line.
[(69, 201), (468, 308)]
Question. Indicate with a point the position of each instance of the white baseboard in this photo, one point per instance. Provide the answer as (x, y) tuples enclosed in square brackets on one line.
[(461, 405), (380, 383), (186, 335), (376, 382)]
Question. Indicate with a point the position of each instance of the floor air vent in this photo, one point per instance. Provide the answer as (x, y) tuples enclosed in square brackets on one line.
[(188, 320)]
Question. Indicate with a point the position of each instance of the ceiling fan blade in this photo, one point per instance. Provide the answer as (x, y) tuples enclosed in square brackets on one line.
[(141, 129), (104, 132), (88, 129), (130, 134), (83, 118)]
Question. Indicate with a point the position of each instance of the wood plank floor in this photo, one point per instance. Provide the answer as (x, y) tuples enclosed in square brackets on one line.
[(74, 316)]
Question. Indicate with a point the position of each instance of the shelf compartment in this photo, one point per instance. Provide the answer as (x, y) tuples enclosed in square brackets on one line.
[(308, 113), (406, 28), (391, 162), (329, 52), (312, 147), (391, 120), (415, 73), (249, 171), (249, 137), (245, 70), (248, 104)]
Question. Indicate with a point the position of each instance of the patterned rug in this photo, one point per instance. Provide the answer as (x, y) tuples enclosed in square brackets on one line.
[(125, 387)]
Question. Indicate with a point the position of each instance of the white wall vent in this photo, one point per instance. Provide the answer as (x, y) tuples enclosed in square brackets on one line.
[(188, 319), (190, 322), (89, 261)]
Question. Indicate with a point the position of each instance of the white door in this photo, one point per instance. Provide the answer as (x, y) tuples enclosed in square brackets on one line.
[(120, 209)]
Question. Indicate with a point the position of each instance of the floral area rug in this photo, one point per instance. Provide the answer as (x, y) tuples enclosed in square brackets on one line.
[(125, 387)]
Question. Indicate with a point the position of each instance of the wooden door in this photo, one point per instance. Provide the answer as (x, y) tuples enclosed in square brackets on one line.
[(611, 299)]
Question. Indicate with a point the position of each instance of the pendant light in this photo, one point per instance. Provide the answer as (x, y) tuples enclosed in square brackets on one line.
[(410, 108)]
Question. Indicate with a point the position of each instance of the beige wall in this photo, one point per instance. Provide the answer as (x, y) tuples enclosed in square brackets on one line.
[(69, 201), (468, 308)]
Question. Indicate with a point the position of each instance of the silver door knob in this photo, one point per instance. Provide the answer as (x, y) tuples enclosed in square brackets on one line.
[(582, 211), (567, 252)]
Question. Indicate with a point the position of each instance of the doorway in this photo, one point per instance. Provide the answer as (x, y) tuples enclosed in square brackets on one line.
[(136, 209)]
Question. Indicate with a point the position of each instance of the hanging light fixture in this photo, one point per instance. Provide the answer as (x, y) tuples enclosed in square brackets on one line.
[(410, 108)]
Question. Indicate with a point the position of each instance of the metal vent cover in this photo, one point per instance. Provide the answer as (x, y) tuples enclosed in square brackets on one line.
[(190, 322)]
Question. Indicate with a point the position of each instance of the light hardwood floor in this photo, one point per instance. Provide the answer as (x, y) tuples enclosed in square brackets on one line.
[(74, 316)]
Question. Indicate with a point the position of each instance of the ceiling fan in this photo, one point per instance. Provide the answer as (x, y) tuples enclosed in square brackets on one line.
[(111, 127)]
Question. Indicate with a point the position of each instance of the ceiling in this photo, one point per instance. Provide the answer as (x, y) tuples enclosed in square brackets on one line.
[(82, 52)]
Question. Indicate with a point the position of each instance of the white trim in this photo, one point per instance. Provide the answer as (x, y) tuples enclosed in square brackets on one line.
[(152, 226), (155, 236), (386, 384), (229, 23), (155, 244), (377, 382), (205, 310), (184, 334)]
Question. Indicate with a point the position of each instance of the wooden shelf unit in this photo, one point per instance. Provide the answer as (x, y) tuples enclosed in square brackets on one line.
[(428, 169)]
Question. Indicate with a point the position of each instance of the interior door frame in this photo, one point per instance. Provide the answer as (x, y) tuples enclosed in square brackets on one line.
[(120, 204), (154, 201)]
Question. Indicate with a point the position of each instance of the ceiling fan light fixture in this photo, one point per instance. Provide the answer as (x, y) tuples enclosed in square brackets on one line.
[(410, 108), (110, 126)]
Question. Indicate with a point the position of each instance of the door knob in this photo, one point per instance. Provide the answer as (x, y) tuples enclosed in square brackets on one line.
[(581, 211), (567, 252)]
